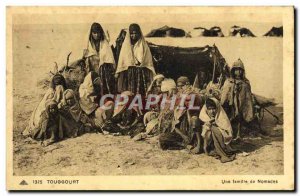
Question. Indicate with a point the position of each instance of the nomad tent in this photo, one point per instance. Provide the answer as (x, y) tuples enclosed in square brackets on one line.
[(206, 62), (166, 31), (212, 32), (275, 32), (238, 31)]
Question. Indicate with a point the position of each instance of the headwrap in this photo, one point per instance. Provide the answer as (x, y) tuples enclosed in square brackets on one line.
[(75, 109), (59, 80), (96, 27), (183, 79), (132, 55), (105, 53), (238, 64), (158, 76), (48, 105), (213, 89), (135, 27), (167, 85), (221, 120)]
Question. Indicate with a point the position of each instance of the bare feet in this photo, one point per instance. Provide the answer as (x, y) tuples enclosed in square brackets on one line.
[(196, 150), (47, 142)]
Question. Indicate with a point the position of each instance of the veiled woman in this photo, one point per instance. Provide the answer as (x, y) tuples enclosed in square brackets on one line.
[(186, 119), (99, 58), (89, 100), (169, 138), (48, 130), (135, 68), (126, 120), (155, 86), (74, 121), (55, 93), (216, 131)]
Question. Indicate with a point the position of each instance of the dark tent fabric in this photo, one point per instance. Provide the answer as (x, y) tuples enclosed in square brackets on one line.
[(241, 31), (166, 31), (212, 32), (174, 62), (275, 32)]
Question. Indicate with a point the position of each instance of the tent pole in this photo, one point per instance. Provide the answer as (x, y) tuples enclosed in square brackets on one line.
[(214, 71)]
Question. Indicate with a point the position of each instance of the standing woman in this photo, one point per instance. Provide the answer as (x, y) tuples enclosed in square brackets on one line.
[(99, 58), (135, 68)]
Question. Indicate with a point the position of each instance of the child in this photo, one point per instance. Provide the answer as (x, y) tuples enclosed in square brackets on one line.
[(236, 97), (216, 131), (48, 130)]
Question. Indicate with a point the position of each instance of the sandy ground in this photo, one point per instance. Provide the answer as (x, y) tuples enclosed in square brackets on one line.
[(97, 154)]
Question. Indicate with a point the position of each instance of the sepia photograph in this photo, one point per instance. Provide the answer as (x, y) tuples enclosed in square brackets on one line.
[(150, 98)]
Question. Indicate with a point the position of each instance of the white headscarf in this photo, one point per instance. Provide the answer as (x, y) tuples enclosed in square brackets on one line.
[(106, 54), (221, 120), (158, 76), (131, 55), (168, 85)]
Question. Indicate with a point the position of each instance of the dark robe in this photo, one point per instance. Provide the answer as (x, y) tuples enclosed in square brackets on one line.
[(135, 79), (48, 128), (70, 126), (127, 122), (216, 146), (106, 73)]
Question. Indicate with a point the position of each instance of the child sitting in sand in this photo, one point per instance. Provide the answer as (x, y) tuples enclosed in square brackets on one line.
[(216, 131)]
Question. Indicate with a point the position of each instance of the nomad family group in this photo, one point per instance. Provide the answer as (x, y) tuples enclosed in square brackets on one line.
[(121, 93)]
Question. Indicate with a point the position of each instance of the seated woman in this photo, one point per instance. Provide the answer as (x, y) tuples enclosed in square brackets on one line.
[(55, 93), (99, 58), (216, 131), (151, 116), (89, 93), (186, 120), (48, 130), (169, 137), (155, 86), (184, 128), (89, 96), (73, 120)]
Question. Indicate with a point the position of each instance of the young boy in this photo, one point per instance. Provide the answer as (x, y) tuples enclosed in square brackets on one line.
[(236, 97)]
